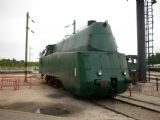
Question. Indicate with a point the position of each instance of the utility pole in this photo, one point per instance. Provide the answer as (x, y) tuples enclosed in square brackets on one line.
[(26, 46), (74, 27)]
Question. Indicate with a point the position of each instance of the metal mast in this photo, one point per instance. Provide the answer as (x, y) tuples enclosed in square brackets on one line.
[(26, 47), (74, 26), (141, 40), (26, 44)]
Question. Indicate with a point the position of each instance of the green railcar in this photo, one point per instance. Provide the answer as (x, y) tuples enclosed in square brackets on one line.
[(132, 64), (87, 63)]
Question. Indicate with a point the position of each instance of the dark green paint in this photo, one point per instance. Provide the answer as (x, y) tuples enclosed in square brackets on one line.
[(87, 51)]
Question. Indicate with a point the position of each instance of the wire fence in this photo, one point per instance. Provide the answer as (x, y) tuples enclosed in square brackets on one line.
[(17, 81), (8, 70), (151, 88), (19, 68)]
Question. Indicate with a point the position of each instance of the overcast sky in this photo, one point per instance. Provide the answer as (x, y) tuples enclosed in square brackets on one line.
[(51, 16)]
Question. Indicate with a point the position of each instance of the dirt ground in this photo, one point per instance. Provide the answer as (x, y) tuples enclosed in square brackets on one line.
[(44, 99)]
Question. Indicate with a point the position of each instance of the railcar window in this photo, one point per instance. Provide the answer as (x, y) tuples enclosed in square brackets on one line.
[(129, 60), (43, 53), (49, 51), (134, 60)]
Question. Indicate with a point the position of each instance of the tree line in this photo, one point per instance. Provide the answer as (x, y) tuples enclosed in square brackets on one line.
[(16, 63), (155, 59)]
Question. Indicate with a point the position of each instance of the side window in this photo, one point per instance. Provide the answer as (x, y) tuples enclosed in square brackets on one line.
[(43, 53), (129, 60), (134, 60)]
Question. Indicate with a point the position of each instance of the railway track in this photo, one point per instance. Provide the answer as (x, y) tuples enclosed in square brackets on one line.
[(140, 103), (136, 109)]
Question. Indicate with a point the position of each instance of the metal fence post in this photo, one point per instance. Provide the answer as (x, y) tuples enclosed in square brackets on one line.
[(30, 84), (1, 84), (129, 89), (157, 83)]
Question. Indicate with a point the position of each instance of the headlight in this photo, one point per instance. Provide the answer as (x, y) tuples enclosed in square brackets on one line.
[(99, 73), (124, 73)]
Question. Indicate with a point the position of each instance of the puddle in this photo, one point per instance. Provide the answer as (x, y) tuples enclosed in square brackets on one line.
[(22, 106), (58, 110), (53, 111), (55, 96)]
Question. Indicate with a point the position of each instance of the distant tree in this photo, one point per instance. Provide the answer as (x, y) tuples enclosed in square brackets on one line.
[(15, 63), (155, 59)]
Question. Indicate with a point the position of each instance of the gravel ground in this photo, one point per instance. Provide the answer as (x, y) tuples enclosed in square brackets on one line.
[(47, 100)]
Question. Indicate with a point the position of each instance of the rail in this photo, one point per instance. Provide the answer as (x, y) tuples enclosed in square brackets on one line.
[(130, 109)]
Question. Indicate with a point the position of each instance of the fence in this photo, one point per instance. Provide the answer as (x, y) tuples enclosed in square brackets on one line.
[(19, 68), (7, 81), (4, 70), (150, 88), (14, 81)]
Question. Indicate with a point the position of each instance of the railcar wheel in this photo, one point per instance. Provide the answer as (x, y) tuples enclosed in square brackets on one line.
[(47, 79), (53, 81), (57, 83)]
